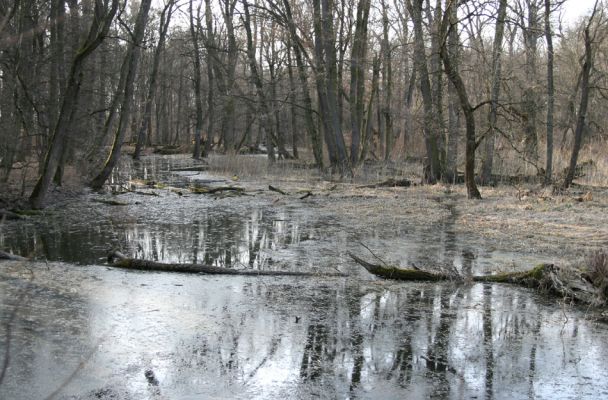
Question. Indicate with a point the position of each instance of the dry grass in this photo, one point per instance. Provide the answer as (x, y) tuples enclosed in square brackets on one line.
[(597, 271)]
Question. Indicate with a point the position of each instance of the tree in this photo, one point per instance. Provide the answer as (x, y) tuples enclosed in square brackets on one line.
[(357, 79), (584, 100), (102, 19), (165, 18), (195, 29), (433, 165), (488, 160), (453, 74), (128, 69)]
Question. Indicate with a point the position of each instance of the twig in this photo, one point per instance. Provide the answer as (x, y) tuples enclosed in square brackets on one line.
[(374, 254), (276, 189)]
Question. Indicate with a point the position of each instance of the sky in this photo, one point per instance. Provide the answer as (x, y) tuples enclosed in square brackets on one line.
[(574, 9)]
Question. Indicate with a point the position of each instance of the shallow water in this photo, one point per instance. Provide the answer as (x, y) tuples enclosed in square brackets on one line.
[(93, 332)]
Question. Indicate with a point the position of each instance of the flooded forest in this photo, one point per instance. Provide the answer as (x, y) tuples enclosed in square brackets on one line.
[(303, 199)]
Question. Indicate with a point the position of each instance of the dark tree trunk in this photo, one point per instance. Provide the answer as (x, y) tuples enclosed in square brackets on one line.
[(468, 111), (357, 79), (550, 93), (194, 34), (129, 68), (488, 160), (165, 18), (420, 63), (582, 109), (99, 28)]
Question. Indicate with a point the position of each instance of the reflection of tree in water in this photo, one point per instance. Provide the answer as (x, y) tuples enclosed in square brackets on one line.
[(315, 352), (488, 345)]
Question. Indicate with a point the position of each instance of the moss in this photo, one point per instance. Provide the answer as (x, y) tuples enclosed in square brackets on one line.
[(532, 277), (28, 213)]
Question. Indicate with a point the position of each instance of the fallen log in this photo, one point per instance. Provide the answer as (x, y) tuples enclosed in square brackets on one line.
[(276, 189), (545, 277), (6, 214), (390, 272), (12, 257), (117, 259), (208, 190)]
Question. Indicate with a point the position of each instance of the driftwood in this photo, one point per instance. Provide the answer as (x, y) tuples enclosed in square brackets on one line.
[(119, 260), (546, 277), (12, 257)]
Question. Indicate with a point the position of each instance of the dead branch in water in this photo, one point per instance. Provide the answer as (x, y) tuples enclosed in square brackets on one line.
[(209, 190), (119, 260), (276, 189), (546, 277)]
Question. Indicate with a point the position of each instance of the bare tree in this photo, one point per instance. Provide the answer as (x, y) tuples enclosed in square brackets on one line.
[(103, 16), (165, 19), (581, 121), (128, 69)]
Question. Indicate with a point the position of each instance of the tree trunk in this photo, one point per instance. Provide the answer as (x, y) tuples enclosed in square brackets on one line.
[(582, 109), (194, 34), (129, 69), (550, 93), (99, 28), (488, 160), (313, 133), (531, 33), (451, 172), (454, 76), (265, 112), (420, 63), (357, 79), (165, 18)]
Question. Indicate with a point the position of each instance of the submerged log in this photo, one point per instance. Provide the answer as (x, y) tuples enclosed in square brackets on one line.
[(390, 272), (545, 277), (210, 190), (119, 260)]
